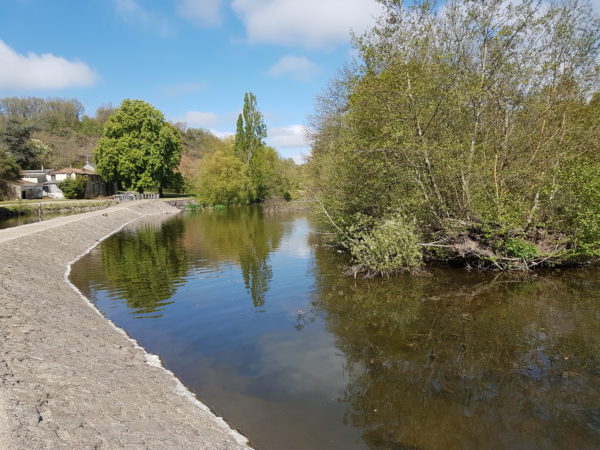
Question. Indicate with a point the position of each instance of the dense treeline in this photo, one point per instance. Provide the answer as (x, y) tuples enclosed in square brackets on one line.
[(36, 132), (468, 132)]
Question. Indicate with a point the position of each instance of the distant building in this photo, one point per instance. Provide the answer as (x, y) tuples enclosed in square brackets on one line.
[(25, 190), (35, 176), (95, 184), (46, 181)]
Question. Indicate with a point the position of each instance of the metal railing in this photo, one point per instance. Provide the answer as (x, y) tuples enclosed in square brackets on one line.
[(131, 196)]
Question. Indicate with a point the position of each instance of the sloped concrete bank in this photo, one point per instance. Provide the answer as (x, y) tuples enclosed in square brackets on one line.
[(68, 377)]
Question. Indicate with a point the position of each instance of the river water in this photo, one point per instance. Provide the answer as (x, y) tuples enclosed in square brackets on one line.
[(16, 221), (256, 318)]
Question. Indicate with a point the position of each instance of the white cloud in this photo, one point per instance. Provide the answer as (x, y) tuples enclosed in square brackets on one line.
[(133, 11), (201, 12), (290, 142), (198, 119), (290, 136), (41, 71), (308, 23), (299, 68), (221, 134)]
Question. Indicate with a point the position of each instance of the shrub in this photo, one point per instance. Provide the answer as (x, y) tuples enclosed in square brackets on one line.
[(520, 248), (194, 207), (389, 246), (73, 188)]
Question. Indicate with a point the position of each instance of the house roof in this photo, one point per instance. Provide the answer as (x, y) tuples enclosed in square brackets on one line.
[(24, 183), (25, 173), (72, 170)]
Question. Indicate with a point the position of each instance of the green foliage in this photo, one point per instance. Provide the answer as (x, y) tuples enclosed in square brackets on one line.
[(579, 199), (16, 140), (139, 149), (520, 248), (223, 179), (73, 188), (193, 207), (389, 246), (264, 173), (459, 116), (251, 130), (9, 169)]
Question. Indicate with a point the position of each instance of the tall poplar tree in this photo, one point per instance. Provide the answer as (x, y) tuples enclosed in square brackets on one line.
[(251, 130)]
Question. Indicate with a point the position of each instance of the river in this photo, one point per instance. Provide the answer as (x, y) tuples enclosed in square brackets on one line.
[(256, 319), (16, 221)]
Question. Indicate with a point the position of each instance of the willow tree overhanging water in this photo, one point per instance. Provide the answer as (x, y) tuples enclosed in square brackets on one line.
[(477, 121)]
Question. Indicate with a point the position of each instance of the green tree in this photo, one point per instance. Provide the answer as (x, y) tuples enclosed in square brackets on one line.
[(9, 169), (223, 179), (139, 149), (251, 130), (73, 187), (16, 140), (263, 170), (464, 119), (43, 151)]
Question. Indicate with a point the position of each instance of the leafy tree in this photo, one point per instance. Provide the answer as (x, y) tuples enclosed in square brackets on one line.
[(251, 130), (16, 139), (263, 173), (43, 150), (464, 118), (139, 148), (73, 187), (9, 169), (223, 179)]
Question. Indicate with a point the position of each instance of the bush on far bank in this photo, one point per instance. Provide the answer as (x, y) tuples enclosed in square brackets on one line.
[(73, 188)]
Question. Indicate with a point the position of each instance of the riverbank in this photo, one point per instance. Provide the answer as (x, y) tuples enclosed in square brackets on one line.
[(68, 377)]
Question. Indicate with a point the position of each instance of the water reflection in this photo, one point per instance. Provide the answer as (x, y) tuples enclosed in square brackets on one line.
[(240, 236), (454, 361), (145, 266), (451, 360)]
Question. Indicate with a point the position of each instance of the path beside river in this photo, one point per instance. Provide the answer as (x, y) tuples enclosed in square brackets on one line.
[(68, 377)]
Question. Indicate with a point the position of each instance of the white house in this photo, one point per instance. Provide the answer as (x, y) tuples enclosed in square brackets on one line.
[(48, 179)]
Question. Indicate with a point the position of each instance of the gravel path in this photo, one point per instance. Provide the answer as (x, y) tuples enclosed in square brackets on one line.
[(68, 377)]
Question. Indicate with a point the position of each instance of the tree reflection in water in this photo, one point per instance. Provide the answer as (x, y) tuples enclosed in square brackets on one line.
[(145, 266), (449, 361), (239, 236)]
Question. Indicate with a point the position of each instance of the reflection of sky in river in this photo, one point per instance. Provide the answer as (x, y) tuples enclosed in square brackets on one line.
[(294, 243)]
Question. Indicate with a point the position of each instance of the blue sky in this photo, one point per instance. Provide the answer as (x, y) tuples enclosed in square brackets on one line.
[(192, 59)]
